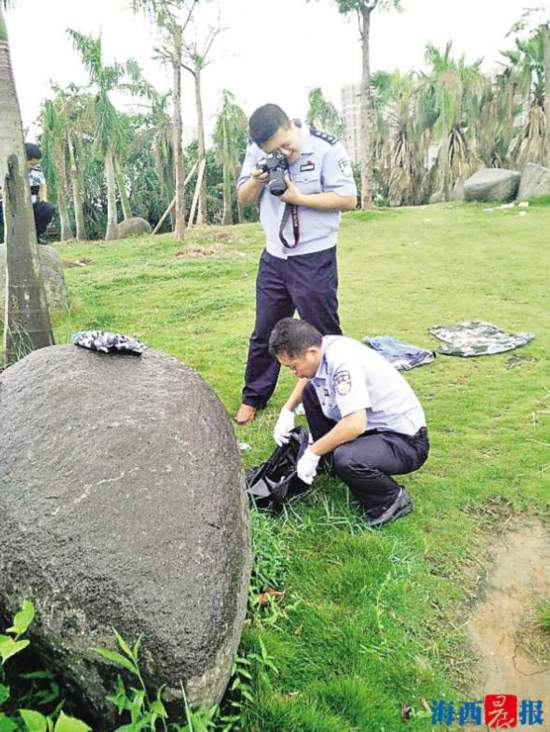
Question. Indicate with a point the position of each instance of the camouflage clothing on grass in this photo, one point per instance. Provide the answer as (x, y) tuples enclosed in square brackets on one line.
[(477, 338)]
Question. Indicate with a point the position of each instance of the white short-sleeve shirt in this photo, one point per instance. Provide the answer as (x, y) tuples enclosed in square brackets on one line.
[(323, 166), (36, 178), (352, 377)]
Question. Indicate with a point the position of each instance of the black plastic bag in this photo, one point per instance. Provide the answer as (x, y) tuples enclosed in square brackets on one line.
[(275, 480)]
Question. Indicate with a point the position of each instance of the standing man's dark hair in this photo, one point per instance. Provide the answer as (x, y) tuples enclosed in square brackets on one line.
[(298, 270), (265, 122), (32, 151)]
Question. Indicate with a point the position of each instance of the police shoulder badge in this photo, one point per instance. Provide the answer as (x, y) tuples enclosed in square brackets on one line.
[(345, 167), (342, 382)]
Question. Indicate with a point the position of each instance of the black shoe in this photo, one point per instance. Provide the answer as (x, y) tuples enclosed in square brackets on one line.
[(43, 239), (400, 507)]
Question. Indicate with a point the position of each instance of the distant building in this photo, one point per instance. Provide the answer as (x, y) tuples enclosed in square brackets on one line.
[(351, 115)]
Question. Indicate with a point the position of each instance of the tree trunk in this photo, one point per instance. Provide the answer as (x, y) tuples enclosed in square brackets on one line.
[(26, 319), (441, 192), (227, 217), (179, 229), (66, 233), (112, 228), (77, 192), (546, 40), (124, 200), (366, 152), (61, 190), (445, 144), (201, 216)]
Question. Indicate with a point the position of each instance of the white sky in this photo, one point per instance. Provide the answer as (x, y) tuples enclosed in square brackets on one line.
[(273, 50)]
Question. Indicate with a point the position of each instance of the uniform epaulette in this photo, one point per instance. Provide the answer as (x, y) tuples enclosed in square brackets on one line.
[(326, 136)]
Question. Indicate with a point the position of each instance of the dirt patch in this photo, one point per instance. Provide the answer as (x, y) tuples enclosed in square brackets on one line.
[(517, 360), (82, 262), (517, 581), (214, 250)]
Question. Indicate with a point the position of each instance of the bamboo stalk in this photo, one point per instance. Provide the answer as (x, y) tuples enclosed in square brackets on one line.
[(173, 203), (196, 193)]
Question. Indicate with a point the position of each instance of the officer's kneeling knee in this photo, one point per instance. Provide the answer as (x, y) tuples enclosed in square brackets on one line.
[(343, 457)]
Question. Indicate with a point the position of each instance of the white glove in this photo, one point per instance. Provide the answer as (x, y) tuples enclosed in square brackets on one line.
[(307, 466), (285, 424)]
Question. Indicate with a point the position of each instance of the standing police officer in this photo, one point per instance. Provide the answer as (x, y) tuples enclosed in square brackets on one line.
[(359, 409), (298, 266)]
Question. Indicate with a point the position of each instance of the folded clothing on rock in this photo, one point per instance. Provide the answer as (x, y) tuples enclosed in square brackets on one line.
[(105, 342), (477, 338)]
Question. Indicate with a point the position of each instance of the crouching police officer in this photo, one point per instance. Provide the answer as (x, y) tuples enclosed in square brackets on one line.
[(43, 210), (303, 179), (359, 409)]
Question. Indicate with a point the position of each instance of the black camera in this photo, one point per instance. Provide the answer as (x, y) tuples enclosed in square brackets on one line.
[(276, 165)]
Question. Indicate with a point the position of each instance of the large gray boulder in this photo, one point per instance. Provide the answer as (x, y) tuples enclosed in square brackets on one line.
[(122, 504), (535, 182), (492, 184), (135, 226), (57, 294)]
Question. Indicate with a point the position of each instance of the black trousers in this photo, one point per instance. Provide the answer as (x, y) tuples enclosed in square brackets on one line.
[(43, 212), (367, 463), (307, 283)]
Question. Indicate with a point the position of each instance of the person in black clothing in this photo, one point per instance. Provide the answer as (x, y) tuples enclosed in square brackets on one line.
[(43, 209)]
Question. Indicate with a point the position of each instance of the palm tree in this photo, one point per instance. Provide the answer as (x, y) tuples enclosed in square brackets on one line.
[(108, 128), (195, 63), (363, 10), (54, 144), (27, 322), (526, 62), (77, 126), (452, 87), (229, 140), (497, 109), (169, 21), (162, 142), (409, 140), (323, 114), (545, 30), (381, 100), (138, 86)]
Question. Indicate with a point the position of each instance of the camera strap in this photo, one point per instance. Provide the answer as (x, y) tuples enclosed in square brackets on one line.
[(291, 211)]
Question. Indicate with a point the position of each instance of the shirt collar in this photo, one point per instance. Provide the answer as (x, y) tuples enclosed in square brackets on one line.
[(321, 372), (306, 138), (306, 143)]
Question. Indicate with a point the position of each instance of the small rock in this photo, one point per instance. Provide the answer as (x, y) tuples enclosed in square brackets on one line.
[(134, 226)]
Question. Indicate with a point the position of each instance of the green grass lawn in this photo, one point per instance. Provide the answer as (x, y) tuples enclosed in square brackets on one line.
[(369, 620)]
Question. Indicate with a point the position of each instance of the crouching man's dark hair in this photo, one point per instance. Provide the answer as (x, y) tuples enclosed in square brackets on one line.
[(265, 122), (33, 152), (293, 337)]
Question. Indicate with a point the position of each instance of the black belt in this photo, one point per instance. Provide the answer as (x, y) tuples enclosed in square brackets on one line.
[(290, 211)]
